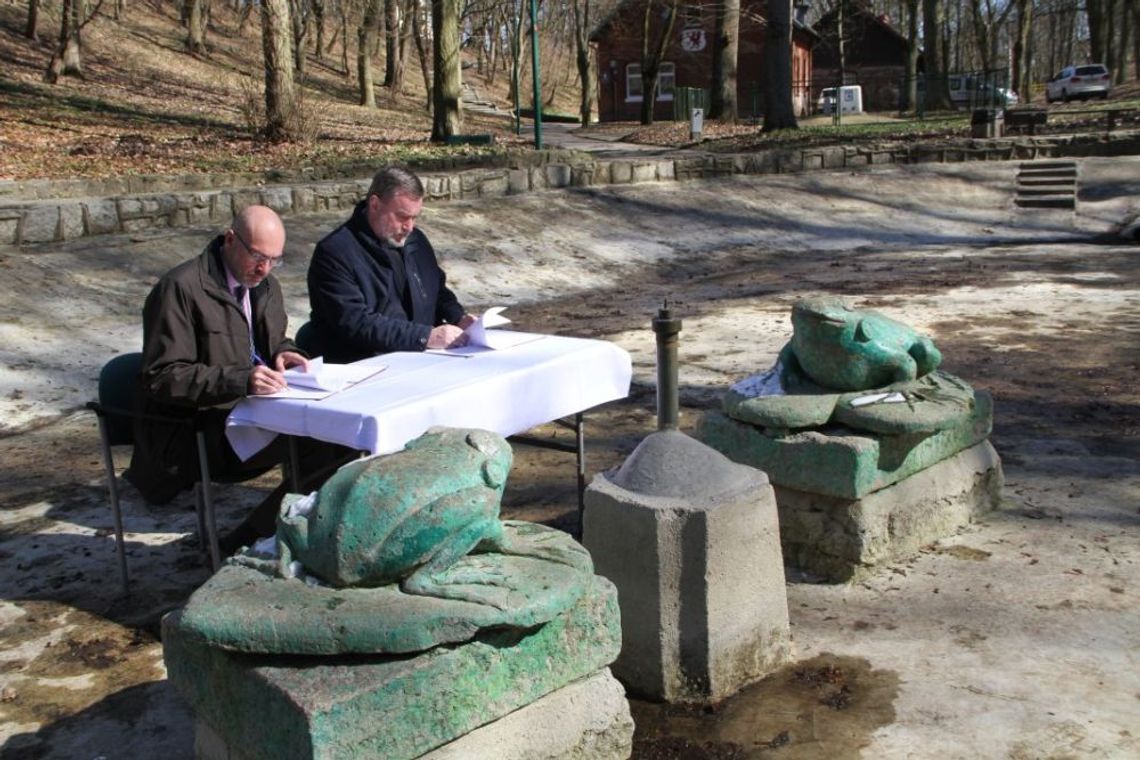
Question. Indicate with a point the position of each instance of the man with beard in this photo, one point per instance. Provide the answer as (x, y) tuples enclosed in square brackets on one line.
[(374, 283)]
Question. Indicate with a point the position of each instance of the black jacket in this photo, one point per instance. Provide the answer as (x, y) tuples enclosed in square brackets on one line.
[(358, 308)]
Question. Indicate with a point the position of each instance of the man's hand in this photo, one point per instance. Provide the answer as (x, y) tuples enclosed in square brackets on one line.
[(265, 380), (446, 336), (467, 321), (288, 359)]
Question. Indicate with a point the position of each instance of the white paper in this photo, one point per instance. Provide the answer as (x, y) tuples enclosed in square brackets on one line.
[(480, 336), (476, 332), (321, 379)]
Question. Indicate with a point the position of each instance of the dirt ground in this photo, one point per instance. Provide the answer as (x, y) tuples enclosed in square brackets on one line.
[(1016, 638)]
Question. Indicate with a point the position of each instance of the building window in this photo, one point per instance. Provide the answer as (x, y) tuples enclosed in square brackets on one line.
[(666, 82)]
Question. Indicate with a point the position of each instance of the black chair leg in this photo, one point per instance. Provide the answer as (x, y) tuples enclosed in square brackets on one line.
[(206, 506), (116, 510)]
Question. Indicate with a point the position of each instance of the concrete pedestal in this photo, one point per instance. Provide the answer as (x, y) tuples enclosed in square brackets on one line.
[(588, 719), (389, 706), (691, 541), (839, 539)]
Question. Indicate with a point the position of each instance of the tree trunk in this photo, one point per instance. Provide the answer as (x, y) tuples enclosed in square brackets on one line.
[(195, 27), (1022, 50), (933, 24), (300, 24), (33, 20), (726, 43), (319, 23), (1135, 11), (779, 111), (911, 55), (344, 42), (419, 26), (1098, 29), (391, 40), (66, 59), (1124, 41), (365, 37), (652, 52), (280, 97), (582, 60), (446, 119)]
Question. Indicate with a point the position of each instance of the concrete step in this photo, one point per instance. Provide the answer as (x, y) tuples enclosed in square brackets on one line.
[(1066, 201), (1025, 192), (1048, 165), (1052, 181), (1024, 174)]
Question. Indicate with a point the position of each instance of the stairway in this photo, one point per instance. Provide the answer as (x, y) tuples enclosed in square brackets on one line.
[(470, 101), (1047, 184)]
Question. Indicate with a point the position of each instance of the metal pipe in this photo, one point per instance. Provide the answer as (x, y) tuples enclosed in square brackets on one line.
[(667, 328)]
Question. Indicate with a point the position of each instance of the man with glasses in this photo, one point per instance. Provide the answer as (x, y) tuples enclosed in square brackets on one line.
[(374, 283), (213, 332)]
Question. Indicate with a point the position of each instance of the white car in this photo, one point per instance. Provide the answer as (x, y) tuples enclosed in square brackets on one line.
[(1087, 81)]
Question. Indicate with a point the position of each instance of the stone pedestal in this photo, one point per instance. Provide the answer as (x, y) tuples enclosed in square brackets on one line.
[(840, 539), (851, 500), (586, 720), (392, 706), (691, 541)]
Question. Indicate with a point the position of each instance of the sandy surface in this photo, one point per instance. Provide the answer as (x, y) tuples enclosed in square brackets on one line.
[(1017, 638)]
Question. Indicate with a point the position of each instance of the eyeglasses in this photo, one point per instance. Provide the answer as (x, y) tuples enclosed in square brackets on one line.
[(259, 258)]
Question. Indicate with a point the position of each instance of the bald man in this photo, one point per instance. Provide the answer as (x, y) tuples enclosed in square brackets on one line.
[(213, 332)]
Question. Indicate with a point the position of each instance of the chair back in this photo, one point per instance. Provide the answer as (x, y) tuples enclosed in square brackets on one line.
[(117, 382), (307, 340)]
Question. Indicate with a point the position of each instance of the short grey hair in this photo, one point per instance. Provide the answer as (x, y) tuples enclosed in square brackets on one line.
[(396, 179)]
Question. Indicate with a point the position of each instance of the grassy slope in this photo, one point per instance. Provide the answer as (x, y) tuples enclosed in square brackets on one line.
[(146, 106)]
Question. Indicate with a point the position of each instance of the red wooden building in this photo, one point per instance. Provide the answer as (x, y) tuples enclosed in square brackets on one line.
[(688, 58), (874, 54)]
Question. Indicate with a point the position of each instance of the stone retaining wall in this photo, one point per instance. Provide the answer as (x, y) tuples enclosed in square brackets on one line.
[(131, 204)]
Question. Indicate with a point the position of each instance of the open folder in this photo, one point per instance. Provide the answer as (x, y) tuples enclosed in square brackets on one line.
[(321, 379)]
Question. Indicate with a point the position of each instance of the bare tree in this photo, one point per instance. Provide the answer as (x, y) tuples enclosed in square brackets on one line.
[(280, 95), (366, 39), (726, 43), (194, 12), (446, 118), (300, 16), (912, 54), (1022, 49), (582, 59), (419, 32), (66, 59), (653, 50), (987, 19), (779, 110), (33, 20), (933, 28), (391, 42)]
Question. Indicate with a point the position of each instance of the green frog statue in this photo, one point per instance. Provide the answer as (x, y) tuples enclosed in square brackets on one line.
[(408, 517), (394, 554), (855, 367)]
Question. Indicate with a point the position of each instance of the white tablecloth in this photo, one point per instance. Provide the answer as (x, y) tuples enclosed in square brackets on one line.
[(507, 391)]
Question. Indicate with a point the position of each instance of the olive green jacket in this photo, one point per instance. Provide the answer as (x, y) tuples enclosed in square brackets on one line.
[(197, 362)]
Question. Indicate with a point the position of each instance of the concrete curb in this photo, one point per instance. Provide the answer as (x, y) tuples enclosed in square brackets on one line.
[(68, 210)]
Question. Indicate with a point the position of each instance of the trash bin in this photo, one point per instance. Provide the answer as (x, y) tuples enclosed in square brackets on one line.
[(987, 122)]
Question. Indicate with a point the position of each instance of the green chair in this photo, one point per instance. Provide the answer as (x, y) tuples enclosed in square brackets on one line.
[(306, 339), (116, 414)]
